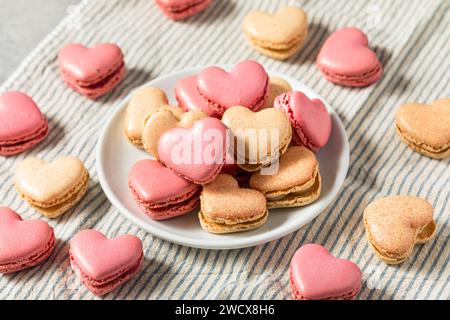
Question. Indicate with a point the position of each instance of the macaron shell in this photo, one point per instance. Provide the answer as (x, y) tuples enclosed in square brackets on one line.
[(99, 257), (89, 65), (317, 275), (277, 86), (181, 9), (155, 183), (20, 117), (346, 52), (189, 98), (45, 182), (20, 240), (203, 163), (246, 85)]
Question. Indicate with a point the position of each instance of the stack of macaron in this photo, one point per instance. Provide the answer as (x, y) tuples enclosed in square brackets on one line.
[(245, 176)]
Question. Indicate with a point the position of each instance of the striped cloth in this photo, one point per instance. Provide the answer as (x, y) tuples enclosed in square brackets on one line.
[(410, 37)]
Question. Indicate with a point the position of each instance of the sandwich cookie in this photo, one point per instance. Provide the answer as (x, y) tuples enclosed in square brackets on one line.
[(160, 192), (395, 224), (22, 125), (93, 71), (346, 59), (310, 119), (277, 86), (226, 208), (296, 183), (246, 85), (51, 188), (181, 9), (189, 98), (163, 119), (425, 128), (316, 275), (279, 35), (260, 137), (196, 153), (23, 244), (104, 264), (142, 103)]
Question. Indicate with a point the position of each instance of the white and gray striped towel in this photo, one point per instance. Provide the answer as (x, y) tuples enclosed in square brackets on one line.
[(410, 37)]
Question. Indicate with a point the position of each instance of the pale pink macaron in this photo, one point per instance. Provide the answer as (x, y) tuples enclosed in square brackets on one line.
[(189, 98), (23, 243), (181, 9), (160, 192), (92, 71), (316, 275), (197, 153), (247, 85), (104, 264), (310, 119), (22, 124), (346, 59)]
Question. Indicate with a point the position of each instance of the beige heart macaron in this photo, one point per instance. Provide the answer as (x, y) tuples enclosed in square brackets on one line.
[(260, 137), (297, 182), (279, 35), (425, 128), (226, 208), (144, 101), (163, 119), (51, 188), (395, 224), (277, 86)]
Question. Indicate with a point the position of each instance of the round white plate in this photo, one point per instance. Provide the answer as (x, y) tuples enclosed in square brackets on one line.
[(115, 156)]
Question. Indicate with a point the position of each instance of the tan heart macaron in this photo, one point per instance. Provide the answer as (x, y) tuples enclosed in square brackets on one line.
[(144, 101), (425, 128), (278, 35), (277, 86), (226, 208), (395, 224), (163, 119), (259, 137), (296, 183), (51, 188)]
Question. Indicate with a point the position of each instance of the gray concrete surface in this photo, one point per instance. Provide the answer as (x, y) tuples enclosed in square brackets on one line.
[(23, 24)]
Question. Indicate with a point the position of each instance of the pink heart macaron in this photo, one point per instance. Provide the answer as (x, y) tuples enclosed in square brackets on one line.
[(181, 9), (93, 71), (310, 119), (189, 98), (316, 275), (23, 243), (246, 85), (160, 192), (104, 264), (22, 125), (346, 59), (197, 153)]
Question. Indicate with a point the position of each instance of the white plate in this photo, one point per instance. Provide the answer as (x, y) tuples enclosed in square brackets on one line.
[(115, 156)]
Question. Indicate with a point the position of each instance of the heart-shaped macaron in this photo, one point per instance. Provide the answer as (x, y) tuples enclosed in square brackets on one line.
[(22, 125), (278, 35), (310, 119), (426, 128), (103, 264), (346, 59), (142, 102), (163, 119), (395, 224), (23, 244), (260, 137), (189, 98), (245, 85), (91, 71), (317, 275), (196, 153), (226, 208), (51, 188)]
